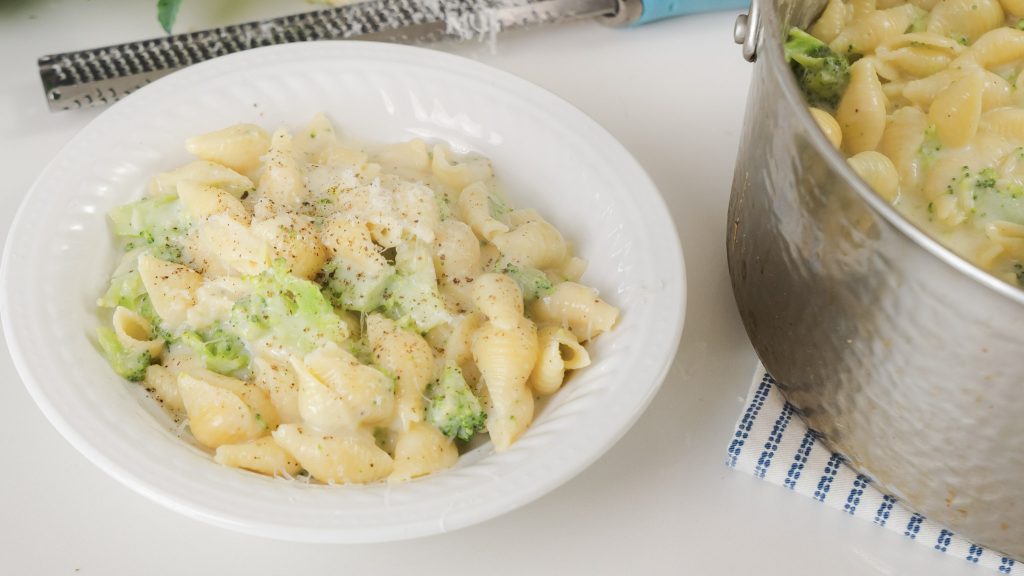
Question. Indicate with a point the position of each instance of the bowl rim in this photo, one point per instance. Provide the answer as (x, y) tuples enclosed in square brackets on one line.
[(770, 49), (672, 256)]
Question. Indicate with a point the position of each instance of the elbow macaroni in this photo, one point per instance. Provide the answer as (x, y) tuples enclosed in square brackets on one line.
[(298, 297)]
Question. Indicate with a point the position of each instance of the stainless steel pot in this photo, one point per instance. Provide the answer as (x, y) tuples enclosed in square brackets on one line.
[(907, 358)]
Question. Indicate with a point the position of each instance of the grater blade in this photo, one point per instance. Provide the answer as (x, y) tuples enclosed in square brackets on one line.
[(100, 76)]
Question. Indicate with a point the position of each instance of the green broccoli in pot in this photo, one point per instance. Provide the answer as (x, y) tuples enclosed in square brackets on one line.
[(821, 73)]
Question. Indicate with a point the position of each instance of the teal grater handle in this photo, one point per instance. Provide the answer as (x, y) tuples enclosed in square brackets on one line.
[(636, 12)]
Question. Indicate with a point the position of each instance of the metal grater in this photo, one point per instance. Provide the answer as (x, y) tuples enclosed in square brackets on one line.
[(103, 75)]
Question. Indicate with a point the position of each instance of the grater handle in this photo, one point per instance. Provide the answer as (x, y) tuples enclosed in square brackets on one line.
[(637, 12)]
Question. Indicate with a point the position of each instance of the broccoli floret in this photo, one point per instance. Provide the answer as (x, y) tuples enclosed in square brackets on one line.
[(412, 298), (130, 364), (351, 289), (821, 73), (290, 308), (127, 290), (157, 223), (532, 282), (222, 351), (452, 407)]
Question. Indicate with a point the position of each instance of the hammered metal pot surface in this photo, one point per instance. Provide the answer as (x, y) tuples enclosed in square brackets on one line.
[(909, 360)]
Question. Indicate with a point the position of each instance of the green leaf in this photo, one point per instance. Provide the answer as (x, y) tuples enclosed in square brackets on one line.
[(167, 13)]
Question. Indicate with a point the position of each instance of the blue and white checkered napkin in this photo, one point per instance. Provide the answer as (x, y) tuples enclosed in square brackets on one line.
[(773, 445)]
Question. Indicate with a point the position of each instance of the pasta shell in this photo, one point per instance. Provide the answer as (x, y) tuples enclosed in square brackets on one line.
[(917, 61), (224, 246), (996, 93), (367, 393), (831, 22), (422, 450), (505, 359), (163, 385), (459, 174), (262, 455), (349, 240), (537, 244), (1006, 122), (238, 147), (318, 137), (923, 91), (135, 333), (1014, 7), (577, 307), (456, 251), (498, 297), (280, 383), (295, 239), (867, 32), (254, 397), (862, 110), (407, 159), (965, 18), (201, 172), (998, 47), (335, 458), (473, 208), (879, 172), (406, 355), (902, 141), (558, 351), (924, 40), (829, 126), (217, 416), (171, 287), (956, 111), (202, 201), (282, 180)]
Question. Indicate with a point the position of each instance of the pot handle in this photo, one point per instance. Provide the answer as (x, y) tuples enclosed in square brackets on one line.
[(747, 31), (637, 12)]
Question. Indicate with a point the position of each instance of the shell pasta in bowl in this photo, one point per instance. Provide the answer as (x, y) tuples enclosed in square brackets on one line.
[(348, 313), (343, 292)]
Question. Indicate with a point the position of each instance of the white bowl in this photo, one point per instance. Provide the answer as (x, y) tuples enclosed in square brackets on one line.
[(550, 156)]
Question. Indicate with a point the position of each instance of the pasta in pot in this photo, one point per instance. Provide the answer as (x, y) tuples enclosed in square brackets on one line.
[(312, 306), (924, 99)]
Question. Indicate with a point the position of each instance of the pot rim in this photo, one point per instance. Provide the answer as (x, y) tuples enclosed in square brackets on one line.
[(770, 50)]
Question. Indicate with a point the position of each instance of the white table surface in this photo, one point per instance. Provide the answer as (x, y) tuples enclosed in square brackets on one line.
[(659, 502)]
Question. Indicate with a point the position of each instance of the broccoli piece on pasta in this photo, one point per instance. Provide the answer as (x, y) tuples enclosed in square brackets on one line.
[(289, 309), (220, 350), (451, 406), (412, 298), (130, 364), (157, 224), (532, 282), (350, 288), (821, 73), (128, 291)]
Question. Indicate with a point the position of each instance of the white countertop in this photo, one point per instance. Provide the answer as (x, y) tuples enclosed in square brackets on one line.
[(660, 502)]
